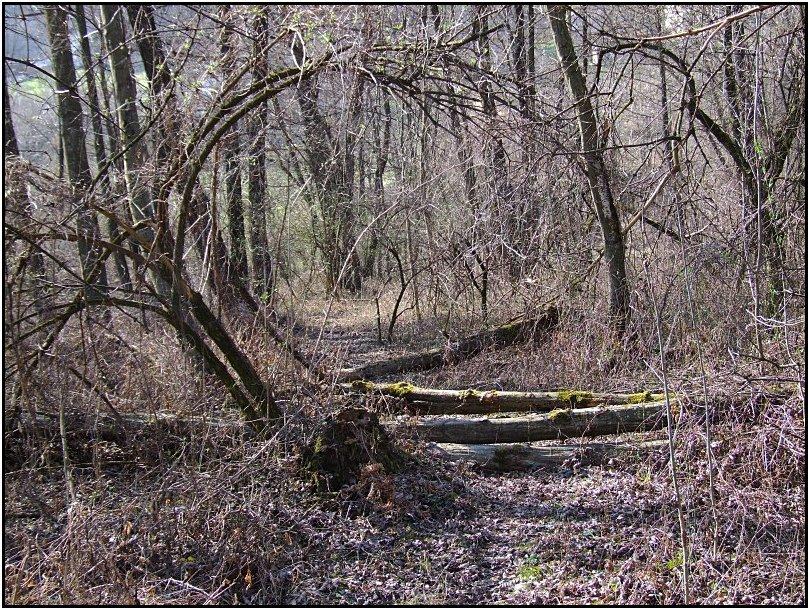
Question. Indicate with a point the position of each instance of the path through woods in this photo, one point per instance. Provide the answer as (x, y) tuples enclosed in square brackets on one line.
[(572, 532)]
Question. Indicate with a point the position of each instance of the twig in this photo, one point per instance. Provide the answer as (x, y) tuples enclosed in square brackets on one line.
[(671, 441)]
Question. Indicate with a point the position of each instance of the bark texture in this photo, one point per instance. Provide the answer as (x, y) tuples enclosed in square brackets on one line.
[(72, 136), (468, 402), (463, 349), (136, 154), (516, 457), (231, 150), (119, 260), (593, 421), (258, 253)]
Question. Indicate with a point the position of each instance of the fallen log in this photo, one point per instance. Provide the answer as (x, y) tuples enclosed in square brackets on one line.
[(511, 457), (463, 349), (115, 427), (560, 423), (137, 434), (429, 401)]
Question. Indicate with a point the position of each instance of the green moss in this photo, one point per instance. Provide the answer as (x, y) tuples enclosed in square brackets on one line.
[(401, 389), (639, 397), (573, 396), (508, 332), (557, 413), (471, 395), (530, 572), (319, 444), (362, 385), (648, 396), (531, 568), (675, 563)]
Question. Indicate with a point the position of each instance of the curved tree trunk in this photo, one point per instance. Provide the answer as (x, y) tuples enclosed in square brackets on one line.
[(207, 239)]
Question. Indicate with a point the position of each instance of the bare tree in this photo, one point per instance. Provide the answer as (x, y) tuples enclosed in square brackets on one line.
[(120, 261), (73, 140), (258, 252), (596, 172)]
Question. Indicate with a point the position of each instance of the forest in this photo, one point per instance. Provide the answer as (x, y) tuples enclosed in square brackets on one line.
[(380, 304)]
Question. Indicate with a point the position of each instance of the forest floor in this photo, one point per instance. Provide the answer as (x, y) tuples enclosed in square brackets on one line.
[(576, 535), (224, 520)]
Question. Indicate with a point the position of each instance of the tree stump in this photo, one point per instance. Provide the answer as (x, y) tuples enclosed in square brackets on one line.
[(344, 444)]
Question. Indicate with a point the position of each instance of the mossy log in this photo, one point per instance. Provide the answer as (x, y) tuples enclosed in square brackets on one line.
[(511, 457), (463, 349), (429, 401), (561, 423)]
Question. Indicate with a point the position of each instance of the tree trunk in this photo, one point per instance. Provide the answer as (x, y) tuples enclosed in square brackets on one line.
[(331, 167), (10, 145), (136, 154), (383, 145), (501, 188), (150, 48), (231, 158), (462, 349), (119, 260), (597, 175), (516, 457), (73, 140), (258, 253), (467, 402), (764, 253), (142, 206), (562, 423), (348, 264)]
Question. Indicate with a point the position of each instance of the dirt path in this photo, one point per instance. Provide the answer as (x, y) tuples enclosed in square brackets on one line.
[(527, 538), (572, 537), (451, 535)]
